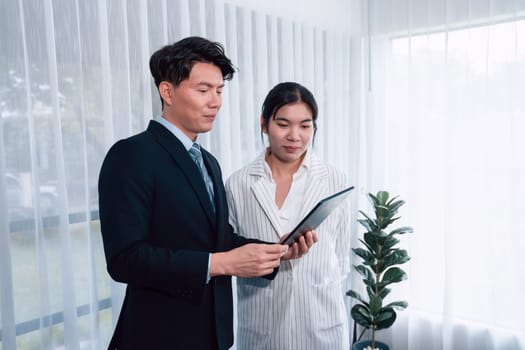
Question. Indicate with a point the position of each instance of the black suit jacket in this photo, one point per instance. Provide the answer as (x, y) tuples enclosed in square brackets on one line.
[(158, 228)]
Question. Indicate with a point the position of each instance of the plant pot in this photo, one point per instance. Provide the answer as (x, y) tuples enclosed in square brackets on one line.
[(360, 345)]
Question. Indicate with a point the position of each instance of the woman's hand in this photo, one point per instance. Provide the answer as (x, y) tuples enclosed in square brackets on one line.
[(301, 246)]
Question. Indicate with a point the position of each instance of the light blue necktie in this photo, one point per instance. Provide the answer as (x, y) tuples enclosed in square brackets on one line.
[(196, 155)]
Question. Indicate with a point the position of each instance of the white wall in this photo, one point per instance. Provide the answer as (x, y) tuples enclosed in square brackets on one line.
[(327, 14)]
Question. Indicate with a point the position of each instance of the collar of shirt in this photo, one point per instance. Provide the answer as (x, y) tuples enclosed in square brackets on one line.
[(186, 141), (303, 168)]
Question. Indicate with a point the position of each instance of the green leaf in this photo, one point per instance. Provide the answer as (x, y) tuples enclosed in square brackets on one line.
[(384, 292), (355, 295), (393, 207), (381, 211), (386, 318), (383, 315), (373, 200), (368, 276), (370, 292), (389, 242), (364, 254), (371, 241), (367, 224), (375, 305), (402, 230), (367, 246), (395, 257), (382, 197), (361, 314), (388, 222), (370, 283), (393, 275), (379, 234), (391, 200), (364, 271), (381, 292), (370, 224), (400, 305), (385, 221)]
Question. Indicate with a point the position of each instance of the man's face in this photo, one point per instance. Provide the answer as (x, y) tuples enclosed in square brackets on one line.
[(290, 131), (193, 105)]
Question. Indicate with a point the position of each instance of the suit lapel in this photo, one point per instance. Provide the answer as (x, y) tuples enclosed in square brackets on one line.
[(221, 204), (186, 165), (215, 173), (315, 186)]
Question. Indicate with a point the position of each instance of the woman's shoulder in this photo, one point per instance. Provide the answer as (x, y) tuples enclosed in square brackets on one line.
[(244, 176), (256, 167), (237, 175), (330, 170)]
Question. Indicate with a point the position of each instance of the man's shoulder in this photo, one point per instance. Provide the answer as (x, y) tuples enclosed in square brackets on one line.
[(135, 149), (135, 141)]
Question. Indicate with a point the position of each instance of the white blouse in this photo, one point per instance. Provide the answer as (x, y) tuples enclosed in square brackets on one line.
[(290, 211)]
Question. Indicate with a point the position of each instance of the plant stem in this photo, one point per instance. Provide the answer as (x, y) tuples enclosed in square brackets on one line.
[(376, 290)]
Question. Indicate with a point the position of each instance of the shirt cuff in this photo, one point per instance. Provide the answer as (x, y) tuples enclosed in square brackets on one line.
[(208, 277)]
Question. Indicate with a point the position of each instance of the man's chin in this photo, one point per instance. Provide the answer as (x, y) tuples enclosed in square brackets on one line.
[(205, 128)]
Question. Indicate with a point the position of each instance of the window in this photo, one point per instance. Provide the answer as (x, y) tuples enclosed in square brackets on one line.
[(454, 149)]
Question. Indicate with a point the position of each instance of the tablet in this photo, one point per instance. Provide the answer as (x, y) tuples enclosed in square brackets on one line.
[(314, 218)]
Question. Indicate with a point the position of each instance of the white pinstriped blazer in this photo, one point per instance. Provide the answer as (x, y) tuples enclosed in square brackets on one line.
[(303, 308)]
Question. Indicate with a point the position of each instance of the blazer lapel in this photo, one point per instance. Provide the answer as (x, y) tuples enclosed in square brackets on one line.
[(315, 186), (315, 190), (186, 165), (216, 177), (266, 201), (221, 203), (263, 195)]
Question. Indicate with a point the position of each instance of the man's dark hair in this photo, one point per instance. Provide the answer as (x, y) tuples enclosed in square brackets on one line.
[(173, 63)]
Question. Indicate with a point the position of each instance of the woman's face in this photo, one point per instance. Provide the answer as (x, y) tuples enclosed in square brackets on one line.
[(290, 132)]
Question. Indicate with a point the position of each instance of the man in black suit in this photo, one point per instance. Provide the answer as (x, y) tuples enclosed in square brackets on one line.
[(164, 219)]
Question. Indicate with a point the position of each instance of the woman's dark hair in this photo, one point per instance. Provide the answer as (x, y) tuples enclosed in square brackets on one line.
[(173, 63), (284, 94)]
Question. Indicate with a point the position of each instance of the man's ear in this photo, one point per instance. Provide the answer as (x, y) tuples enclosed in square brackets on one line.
[(165, 90), (263, 127)]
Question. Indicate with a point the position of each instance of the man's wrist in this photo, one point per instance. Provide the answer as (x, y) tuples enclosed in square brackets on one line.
[(217, 265)]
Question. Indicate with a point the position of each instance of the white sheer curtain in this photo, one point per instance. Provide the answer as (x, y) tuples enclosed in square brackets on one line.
[(446, 109), (75, 79)]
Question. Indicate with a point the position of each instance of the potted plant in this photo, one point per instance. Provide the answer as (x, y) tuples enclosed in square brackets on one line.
[(379, 268)]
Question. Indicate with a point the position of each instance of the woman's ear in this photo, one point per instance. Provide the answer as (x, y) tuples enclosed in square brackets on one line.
[(264, 129), (165, 89)]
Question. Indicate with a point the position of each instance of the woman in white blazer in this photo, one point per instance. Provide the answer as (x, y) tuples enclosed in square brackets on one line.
[(303, 308)]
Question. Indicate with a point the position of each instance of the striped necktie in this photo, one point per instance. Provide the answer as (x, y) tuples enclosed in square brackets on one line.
[(196, 155)]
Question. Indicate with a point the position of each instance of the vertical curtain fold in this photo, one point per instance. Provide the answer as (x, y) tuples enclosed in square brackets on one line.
[(77, 80), (7, 315), (71, 339)]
